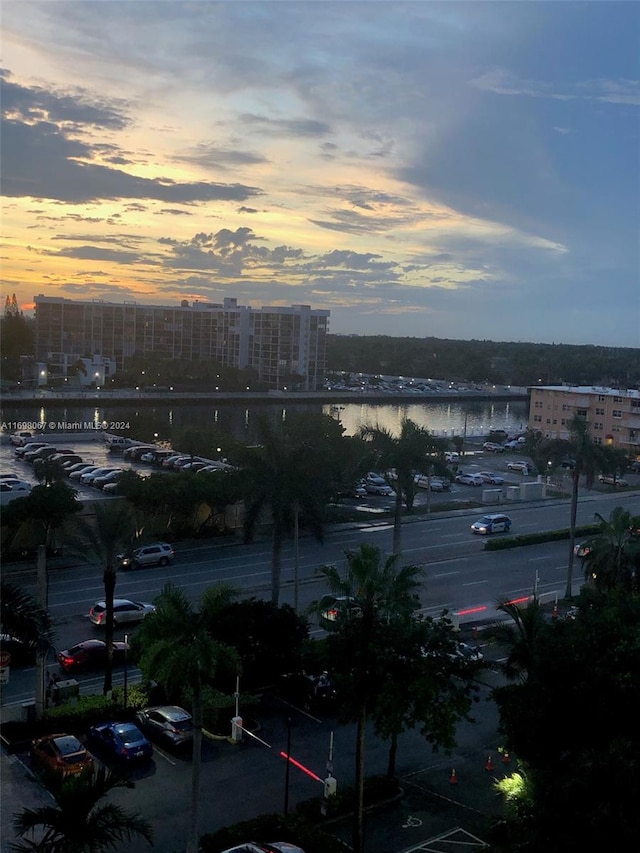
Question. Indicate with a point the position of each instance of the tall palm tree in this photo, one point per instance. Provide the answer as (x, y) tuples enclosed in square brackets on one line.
[(21, 617), (410, 451), (114, 528), (521, 637), (177, 650), (377, 590), (284, 473), (590, 459), (614, 556), (77, 824)]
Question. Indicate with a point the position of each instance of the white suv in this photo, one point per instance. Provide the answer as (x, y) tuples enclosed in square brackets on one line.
[(157, 554)]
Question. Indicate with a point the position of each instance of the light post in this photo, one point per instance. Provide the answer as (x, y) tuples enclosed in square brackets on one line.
[(126, 670), (286, 769)]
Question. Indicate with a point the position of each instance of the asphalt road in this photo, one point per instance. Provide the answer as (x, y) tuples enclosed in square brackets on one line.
[(240, 781)]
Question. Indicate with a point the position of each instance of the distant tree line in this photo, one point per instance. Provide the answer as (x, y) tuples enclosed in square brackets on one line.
[(500, 363)]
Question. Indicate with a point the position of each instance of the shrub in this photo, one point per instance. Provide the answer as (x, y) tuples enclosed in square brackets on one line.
[(537, 538)]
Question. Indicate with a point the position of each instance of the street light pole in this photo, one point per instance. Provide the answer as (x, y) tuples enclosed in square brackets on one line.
[(286, 770), (126, 670), (296, 556)]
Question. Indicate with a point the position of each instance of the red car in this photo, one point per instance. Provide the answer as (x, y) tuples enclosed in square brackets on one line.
[(61, 754), (89, 654)]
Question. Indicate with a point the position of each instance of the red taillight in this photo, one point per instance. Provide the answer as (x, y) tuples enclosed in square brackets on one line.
[(67, 661)]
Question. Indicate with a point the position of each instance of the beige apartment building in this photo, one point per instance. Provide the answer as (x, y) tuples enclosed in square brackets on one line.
[(282, 344), (613, 415)]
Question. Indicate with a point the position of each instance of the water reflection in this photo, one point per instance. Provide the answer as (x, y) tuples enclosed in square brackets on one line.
[(440, 418)]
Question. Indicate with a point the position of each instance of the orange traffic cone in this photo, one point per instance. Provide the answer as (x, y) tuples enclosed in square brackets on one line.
[(453, 779), (475, 632), (554, 612), (506, 758), (489, 765)]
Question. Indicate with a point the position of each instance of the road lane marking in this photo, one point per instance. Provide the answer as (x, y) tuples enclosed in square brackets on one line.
[(475, 583)]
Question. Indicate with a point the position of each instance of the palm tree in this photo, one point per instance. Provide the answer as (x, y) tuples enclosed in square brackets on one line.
[(114, 528), (614, 556), (284, 473), (410, 451), (77, 824), (590, 458), (521, 637), (376, 590), (21, 617), (177, 650)]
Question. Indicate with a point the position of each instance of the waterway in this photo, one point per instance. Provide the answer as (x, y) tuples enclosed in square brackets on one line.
[(473, 417)]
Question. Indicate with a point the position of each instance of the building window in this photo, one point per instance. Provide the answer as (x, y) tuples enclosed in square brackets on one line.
[(599, 411), (617, 413)]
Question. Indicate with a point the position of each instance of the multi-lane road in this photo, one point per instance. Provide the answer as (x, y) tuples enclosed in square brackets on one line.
[(459, 574)]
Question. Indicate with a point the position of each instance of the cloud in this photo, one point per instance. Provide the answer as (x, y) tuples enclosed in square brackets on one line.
[(291, 127), (501, 81), (77, 108)]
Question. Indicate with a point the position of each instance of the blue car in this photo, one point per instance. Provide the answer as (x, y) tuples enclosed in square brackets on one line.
[(123, 741)]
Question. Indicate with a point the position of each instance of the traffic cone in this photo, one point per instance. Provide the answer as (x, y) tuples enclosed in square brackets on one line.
[(453, 779), (554, 612), (489, 765), (475, 632), (506, 758)]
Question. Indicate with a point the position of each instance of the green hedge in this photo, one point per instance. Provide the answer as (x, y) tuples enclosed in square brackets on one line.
[(537, 538), (273, 827), (86, 711)]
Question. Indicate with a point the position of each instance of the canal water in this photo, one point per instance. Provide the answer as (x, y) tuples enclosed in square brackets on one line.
[(442, 418)]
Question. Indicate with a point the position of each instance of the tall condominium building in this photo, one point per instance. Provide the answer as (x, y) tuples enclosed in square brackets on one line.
[(278, 343), (613, 415)]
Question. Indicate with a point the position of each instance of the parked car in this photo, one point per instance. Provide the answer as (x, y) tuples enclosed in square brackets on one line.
[(138, 451), (16, 485), (469, 479), (468, 654), (89, 476), (372, 477), (60, 754), (65, 456), (265, 847), (11, 476), (156, 554), (452, 456), (635, 467), (378, 488), (112, 476), (340, 606), (122, 741), (490, 477), (513, 444), (124, 611), (492, 447), (358, 491), (156, 456), (29, 447), (21, 653), (85, 469), (168, 724), (43, 452), (612, 480), (495, 522), (69, 468), (89, 654), (435, 484), (582, 550), (518, 465), (21, 438)]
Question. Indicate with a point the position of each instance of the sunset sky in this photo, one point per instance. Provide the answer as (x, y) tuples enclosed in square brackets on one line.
[(457, 170)]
